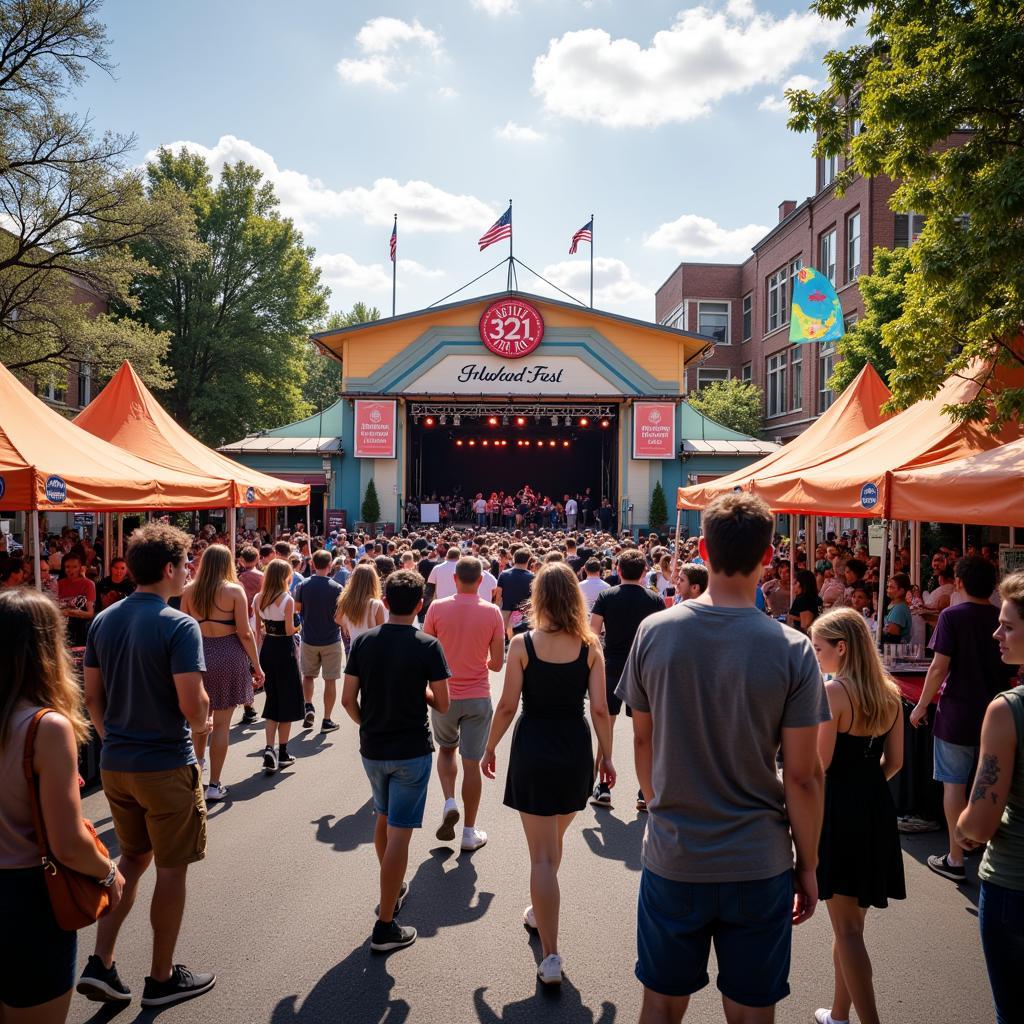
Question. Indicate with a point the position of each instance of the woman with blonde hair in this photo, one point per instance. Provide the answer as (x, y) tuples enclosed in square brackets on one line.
[(274, 609), (217, 601), (551, 764), (38, 956), (860, 863), (360, 608)]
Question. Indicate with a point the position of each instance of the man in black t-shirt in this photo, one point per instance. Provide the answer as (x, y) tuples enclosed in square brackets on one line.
[(394, 673), (620, 610), (513, 590), (427, 564)]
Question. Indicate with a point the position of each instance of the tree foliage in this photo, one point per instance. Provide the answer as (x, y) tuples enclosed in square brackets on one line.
[(883, 292), (924, 74), (70, 207), (238, 308), (733, 403), (321, 374), (658, 513), (371, 505)]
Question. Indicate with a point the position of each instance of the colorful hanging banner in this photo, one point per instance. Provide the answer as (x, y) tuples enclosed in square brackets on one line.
[(816, 313)]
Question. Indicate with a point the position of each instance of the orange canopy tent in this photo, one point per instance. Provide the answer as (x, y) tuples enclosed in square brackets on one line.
[(46, 463), (852, 415), (986, 489), (126, 414), (856, 478)]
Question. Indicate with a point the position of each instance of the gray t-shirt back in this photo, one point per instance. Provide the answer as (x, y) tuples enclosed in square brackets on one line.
[(720, 685)]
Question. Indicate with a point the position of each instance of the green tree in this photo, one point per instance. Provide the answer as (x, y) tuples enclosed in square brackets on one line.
[(734, 403), (371, 506), (883, 292), (658, 513), (925, 74), (239, 309), (321, 376), (71, 207)]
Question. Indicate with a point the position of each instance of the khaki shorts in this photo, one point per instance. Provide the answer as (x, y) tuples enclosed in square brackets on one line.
[(160, 811), (465, 724), (330, 658)]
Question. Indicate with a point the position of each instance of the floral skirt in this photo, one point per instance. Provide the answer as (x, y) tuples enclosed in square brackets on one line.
[(228, 673)]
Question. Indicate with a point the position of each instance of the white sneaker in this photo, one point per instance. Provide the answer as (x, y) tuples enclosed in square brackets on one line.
[(824, 1016), (214, 793), (449, 816), (473, 838), (550, 970), (530, 918)]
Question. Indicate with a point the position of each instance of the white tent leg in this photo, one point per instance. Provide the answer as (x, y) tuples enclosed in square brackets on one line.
[(881, 582), (120, 534), (36, 554), (792, 557), (679, 526), (232, 515)]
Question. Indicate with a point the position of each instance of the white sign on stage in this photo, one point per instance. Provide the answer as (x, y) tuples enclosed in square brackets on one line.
[(430, 513), (480, 374)]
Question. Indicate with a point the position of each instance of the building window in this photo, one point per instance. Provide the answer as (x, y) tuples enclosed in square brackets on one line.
[(776, 378), (713, 321), (748, 316), (908, 228), (829, 166), (707, 375), (776, 297), (676, 318), (828, 255), (853, 246), (794, 268), (84, 384), (826, 364), (796, 362), (52, 393), (747, 373)]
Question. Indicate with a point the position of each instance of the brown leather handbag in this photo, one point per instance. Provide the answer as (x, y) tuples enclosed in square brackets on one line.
[(77, 900)]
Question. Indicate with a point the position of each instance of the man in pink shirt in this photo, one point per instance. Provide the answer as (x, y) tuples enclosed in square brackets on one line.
[(472, 634)]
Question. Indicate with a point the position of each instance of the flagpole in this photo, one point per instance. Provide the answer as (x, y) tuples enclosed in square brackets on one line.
[(510, 257), (591, 261), (394, 269)]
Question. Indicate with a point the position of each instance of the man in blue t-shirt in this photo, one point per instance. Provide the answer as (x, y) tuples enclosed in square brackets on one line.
[(321, 651), (145, 694)]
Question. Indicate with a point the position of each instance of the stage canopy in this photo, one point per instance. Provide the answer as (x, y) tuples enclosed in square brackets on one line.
[(47, 463), (986, 489), (856, 478), (851, 415), (126, 414)]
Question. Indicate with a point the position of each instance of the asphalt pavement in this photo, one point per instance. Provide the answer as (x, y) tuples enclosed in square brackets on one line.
[(282, 908)]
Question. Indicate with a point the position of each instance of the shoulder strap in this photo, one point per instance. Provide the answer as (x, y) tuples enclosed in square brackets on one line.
[(33, 790), (530, 652), (853, 707)]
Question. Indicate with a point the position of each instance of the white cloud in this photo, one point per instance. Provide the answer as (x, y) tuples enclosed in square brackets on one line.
[(340, 271), (513, 132), (496, 7), (700, 238), (388, 45), (779, 104), (705, 55), (614, 284), (420, 205), (446, 92)]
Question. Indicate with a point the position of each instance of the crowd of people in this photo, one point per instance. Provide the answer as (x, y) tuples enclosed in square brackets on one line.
[(182, 632)]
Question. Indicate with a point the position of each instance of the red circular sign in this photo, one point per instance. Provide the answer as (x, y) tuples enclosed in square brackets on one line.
[(511, 328)]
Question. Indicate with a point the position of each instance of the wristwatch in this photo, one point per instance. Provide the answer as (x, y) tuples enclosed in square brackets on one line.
[(111, 875)]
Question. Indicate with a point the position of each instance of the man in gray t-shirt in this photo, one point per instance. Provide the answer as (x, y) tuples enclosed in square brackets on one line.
[(716, 689)]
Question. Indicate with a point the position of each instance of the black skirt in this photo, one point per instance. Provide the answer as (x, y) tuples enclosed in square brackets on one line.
[(283, 686), (551, 766)]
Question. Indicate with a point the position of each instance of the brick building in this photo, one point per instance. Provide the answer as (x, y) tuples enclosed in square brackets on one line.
[(746, 306)]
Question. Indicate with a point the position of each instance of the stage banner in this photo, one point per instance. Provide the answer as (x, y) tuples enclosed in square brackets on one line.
[(654, 430), (375, 429)]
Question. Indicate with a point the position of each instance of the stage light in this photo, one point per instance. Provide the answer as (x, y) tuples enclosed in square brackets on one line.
[(584, 422), (520, 421), (429, 421), (519, 443), (526, 443), (605, 422), (568, 421), (565, 444), (457, 420), (443, 420), (459, 442), (472, 444), (554, 421), (552, 443), (492, 420), (504, 421)]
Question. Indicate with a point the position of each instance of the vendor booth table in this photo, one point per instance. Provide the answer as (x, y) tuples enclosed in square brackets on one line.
[(914, 791)]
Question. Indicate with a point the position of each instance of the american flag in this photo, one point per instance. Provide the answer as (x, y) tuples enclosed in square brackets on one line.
[(501, 228), (585, 234), (394, 241)]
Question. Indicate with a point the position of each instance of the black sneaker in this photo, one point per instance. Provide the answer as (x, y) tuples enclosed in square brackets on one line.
[(641, 803), (391, 936), (307, 722), (181, 985), (270, 762), (941, 866), (249, 716), (602, 795), (102, 984), (285, 760), (328, 725), (402, 894)]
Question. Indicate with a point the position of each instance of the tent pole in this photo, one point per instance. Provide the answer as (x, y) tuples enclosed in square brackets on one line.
[(309, 525), (1013, 535), (120, 534), (881, 582), (963, 540), (792, 557), (35, 549), (232, 525), (679, 527)]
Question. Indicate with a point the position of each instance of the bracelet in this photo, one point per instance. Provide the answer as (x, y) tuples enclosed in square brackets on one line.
[(111, 875)]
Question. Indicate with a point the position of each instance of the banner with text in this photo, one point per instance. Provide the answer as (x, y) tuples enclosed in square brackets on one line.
[(654, 430), (375, 430)]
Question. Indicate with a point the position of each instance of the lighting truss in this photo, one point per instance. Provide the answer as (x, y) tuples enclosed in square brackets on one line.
[(483, 410)]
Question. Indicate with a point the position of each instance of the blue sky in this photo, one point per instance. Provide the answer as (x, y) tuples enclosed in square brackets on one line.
[(660, 118)]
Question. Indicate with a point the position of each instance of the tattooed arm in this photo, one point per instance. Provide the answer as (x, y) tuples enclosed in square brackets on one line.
[(980, 820)]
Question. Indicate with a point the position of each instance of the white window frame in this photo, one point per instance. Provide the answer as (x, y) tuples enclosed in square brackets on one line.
[(775, 381), (728, 317), (826, 364), (717, 370), (747, 373), (829, 169), (677, 316), (853, 247), (796, 377), (748, 315), (84, 378), (827, 254), (775, 287)]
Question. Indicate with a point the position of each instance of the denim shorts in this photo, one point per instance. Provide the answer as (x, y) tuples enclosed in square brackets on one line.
[(750, 924), (1001, 919), (400, 789), (953, 762)]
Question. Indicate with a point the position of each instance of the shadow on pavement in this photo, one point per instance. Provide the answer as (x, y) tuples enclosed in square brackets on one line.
[(562, 1003), (921, 846), (356, 991), (443, 899), (348, 833), (616, 839)]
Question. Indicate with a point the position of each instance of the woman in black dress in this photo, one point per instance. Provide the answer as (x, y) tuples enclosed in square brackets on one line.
[(550, 769), (860, 862)]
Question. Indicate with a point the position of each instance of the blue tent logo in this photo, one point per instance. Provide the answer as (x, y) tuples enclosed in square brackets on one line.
[(56, 490), (3, 487), (869, 496), (250, 494)]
